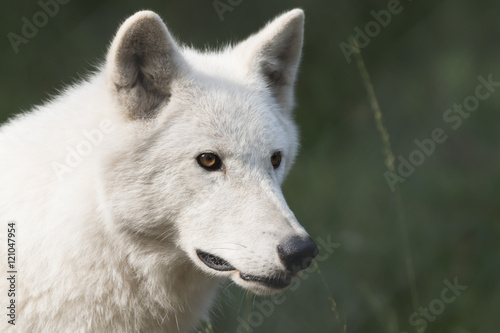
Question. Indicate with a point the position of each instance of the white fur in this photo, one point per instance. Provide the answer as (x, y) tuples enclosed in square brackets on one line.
[(109, 246)]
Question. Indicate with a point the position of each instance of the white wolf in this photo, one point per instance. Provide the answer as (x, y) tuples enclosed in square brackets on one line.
[(136, 192)]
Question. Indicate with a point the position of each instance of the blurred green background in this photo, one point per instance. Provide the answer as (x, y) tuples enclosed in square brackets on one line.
[(425, 60)]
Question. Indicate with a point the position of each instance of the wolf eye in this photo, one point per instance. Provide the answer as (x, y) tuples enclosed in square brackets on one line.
[(276, 159), (209, 161)]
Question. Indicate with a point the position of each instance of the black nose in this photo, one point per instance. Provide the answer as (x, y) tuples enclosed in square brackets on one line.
[(297, 253)]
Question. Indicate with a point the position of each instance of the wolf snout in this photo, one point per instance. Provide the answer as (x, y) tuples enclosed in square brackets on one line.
[(297, 253)]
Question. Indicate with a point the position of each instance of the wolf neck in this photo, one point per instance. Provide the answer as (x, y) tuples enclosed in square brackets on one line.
[(162, 291), (171, 294)]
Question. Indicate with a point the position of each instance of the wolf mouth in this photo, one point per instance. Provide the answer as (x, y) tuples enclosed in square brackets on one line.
[(222, 265), (214, 262), (271, 282)]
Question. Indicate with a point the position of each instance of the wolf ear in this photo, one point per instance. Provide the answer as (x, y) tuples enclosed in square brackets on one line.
[(274, 52), (141, 63)]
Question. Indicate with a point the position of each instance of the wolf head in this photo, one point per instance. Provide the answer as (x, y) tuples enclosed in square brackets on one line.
[(208, 139)]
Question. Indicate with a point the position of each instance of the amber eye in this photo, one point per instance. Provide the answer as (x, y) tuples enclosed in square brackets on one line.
[(209, 161), (276, 159)]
